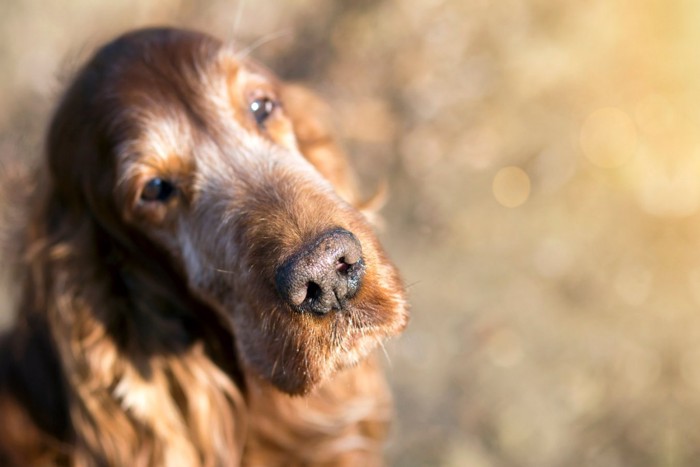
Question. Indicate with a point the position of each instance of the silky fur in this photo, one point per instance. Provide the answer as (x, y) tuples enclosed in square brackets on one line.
[(150, 333)]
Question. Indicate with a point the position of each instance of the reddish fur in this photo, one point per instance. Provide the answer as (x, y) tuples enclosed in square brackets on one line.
[(151, 333)]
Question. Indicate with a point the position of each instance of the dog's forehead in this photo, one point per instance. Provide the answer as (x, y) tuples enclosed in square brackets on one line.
[(190, 117), (206, 101)]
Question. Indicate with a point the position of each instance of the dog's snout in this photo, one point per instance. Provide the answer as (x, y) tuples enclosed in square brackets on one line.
[(323, 274)]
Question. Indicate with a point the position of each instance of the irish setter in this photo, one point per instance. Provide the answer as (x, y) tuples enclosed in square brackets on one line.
[(199, 283)]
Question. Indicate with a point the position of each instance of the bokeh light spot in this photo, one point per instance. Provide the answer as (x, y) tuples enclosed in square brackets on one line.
[(654, 114), (633, 284), (511, 186), (694, 286), (608, 138), (552, 258), (504, 348)]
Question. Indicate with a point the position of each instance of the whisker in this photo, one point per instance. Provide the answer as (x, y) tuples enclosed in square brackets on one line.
[(217, 269), (408, 286), (384, 351), (237, 21), (262, 41), (274, 367), (223, 271)]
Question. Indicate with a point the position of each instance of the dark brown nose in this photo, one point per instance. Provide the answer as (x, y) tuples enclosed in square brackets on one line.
[(323, 274)]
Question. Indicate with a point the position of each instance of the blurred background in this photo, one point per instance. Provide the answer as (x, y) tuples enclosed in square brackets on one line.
[(543, 159)]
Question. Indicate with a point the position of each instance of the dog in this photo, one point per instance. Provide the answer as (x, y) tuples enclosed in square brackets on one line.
[(199, 284)]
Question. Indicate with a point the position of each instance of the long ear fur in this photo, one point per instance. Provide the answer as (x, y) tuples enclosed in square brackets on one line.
[(143, 380), (150, 371)]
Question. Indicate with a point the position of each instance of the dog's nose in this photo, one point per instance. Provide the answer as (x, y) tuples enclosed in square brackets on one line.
[(323, 274)]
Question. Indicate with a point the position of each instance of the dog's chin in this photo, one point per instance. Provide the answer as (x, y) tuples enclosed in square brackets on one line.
[(304, 380), (312, 351), (342, 354), (299, 351)]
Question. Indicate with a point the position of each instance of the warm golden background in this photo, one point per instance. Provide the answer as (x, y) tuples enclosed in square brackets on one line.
[(544, 164)]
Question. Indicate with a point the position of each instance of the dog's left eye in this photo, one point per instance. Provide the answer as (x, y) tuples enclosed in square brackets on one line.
[(157, 189), (262, 108)]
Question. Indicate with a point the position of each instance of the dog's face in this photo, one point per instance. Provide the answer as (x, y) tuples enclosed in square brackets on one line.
[(206, 162)]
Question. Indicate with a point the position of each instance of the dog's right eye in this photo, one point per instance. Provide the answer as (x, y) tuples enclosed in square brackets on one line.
[(157, 189), (262, 108)]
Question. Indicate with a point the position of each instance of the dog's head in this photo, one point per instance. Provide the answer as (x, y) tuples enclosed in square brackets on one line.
[(169, 137)]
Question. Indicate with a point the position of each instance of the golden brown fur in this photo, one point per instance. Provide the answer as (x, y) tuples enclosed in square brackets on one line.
[(149, 329)]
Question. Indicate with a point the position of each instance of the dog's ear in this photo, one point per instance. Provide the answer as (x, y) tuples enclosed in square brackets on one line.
[(311, 119)]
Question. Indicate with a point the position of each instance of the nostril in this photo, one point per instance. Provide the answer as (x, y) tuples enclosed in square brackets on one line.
[(313, 292), (342, 267)]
